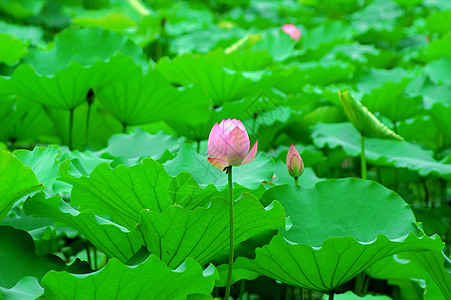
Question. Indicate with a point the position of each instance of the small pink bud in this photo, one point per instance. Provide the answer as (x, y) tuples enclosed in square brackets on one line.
[(228, 145), (293, 31), (294, 162)]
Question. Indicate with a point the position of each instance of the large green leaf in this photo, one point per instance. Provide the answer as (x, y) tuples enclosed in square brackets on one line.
[(176, 233), (362, 119), (11, 49), (43, 162), (122, 192), (143, 99), (27, 288), (149, 280), (140, 143), (320, 257), (61, 77), (22, 120), (220, 85), (110, 238), (440, 113), (278, 44), (16, 181), (92, 44), (18, 258), (250, 176), (439, 70), (380, 152), (390, 100)]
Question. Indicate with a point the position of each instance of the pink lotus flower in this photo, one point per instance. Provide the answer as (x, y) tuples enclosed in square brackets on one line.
[(293, 31), (294, 162), (228, 145)]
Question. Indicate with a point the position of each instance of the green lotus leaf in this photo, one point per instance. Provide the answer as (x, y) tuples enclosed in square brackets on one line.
[(219, 84), (375, 78), (143, 99), (114, 21), (26, 288), (61, 77), (349, 295), (92, 44), (245, 60), (16, 181), (18, 258), (436, 266), (78, 163), (381, 14), (110, 238), (122, 192), (364, 120), (203, 41), (30, 34), (351, 52), (440, 113), (22, 120), (437, 48), (250, 176), (278, 44), (11, 49), (380, 152), (439, 70), (152, 279), (431, 92), (314, 73), (438, 22), (202, 233), (43, 162), (140, 143), (21, 9), (186, 192), (390, 100), (328, 34), (429, 265), (319, 257)]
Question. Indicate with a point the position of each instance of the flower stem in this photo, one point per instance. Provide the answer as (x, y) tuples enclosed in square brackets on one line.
[(71, 124), (296, 181), (363, 157), (229, 273), (331, 295)]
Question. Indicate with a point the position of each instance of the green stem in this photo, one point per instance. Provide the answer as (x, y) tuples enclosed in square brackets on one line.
[(88, 116), (71, 124), (88, 254), (242, 289), (198, 146), (124, 128), (363, 157), (331, 295), (360, 284), (296, 181), (231, 202)]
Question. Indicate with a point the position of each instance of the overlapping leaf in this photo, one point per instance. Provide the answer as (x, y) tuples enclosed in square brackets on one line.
[(149, 280), (350, 243), (381, 152), (16, 181)]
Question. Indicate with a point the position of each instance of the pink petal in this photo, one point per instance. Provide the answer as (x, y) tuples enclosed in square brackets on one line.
[(216, 146), (218, 163), (237, 146), (293, 31), (250, 157)]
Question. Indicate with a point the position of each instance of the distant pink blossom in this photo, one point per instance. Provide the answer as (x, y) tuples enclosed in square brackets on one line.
[(228, 145), (293, 31)]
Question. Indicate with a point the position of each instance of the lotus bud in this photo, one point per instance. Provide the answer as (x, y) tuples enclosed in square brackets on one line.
[(294, 162), (228, 145)]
